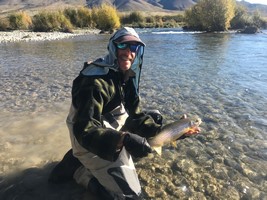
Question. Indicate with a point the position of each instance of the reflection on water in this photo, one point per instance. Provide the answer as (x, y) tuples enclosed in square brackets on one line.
[(219, 77)]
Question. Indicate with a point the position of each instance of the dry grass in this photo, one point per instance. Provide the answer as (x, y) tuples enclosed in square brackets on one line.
[(156, 13)]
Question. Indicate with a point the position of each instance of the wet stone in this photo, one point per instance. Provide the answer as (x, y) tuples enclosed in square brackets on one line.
[(230, 193), (192, 152), (197, 195), (233, 174)]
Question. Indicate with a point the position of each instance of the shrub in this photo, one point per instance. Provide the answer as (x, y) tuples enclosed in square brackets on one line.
[(159, 22), (257, 20), (150, 19), (137, 19), (81, 17), (71, 14), (19, 20), (241, 18), (85, 17), (106, 17), (51, 21), (4, 24), (173, 18), (133, 17)]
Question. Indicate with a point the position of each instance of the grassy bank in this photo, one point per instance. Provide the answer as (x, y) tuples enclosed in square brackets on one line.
[(105, 18)]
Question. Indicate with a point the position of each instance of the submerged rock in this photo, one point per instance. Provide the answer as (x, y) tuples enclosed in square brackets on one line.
[(230, 193), (250, 30)]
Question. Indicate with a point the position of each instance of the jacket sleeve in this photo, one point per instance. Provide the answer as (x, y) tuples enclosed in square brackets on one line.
[(89, 97), (142, 125), (138, 122)]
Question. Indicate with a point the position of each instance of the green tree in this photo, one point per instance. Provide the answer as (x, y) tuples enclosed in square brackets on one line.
[(192, 18), (241, 18), (210, 15), (257, 20)]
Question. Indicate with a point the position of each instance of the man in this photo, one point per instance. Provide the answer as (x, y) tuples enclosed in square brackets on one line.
[(106, 124)]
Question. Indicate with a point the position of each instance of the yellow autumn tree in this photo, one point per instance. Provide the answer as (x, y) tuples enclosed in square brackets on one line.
[(211, 15)]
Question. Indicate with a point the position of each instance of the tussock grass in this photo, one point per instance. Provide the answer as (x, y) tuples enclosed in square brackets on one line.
[(81, 17), (19, 21), (4, 24), (46, 21), (106, 18)]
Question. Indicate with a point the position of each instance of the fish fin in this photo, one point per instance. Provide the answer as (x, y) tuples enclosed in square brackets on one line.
[(158, 150), (174, 144)]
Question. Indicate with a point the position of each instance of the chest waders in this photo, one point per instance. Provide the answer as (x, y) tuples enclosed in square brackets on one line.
[(118, 177)]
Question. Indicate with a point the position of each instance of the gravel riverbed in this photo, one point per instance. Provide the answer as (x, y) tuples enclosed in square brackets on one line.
[(17, 36)]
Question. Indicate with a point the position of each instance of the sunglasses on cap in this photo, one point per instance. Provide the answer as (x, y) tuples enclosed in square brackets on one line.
[(132, 47)]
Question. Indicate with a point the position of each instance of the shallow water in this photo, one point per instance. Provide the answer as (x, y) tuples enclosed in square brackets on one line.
[(219, 77)]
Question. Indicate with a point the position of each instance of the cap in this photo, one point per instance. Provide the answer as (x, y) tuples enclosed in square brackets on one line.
[(129, 38)]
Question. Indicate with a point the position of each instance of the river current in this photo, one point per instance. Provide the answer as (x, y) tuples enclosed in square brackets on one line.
[(219, 77)]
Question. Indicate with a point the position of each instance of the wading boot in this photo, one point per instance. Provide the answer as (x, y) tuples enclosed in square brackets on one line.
[(101, 193), (98, 190), (65, 169)]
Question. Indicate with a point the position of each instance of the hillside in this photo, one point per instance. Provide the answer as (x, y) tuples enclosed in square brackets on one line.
[(145, 5), (255, 7), (7, 6)]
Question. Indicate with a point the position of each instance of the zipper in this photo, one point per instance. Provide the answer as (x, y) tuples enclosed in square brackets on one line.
[(121, 89)]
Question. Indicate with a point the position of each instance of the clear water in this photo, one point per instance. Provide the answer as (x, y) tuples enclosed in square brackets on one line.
[(220, 77)]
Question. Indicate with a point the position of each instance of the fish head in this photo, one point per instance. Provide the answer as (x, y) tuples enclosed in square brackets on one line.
[(193, 127)]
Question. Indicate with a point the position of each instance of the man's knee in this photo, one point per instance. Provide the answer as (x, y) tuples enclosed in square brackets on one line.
[(65, 169), (156, 115)]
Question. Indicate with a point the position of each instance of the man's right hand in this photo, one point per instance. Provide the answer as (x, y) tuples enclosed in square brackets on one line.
[(137, 146)]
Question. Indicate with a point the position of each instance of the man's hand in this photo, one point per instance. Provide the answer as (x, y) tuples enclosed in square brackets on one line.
[(191, 132), (137, 146)]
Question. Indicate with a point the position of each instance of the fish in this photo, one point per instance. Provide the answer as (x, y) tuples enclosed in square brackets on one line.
[(173, 131)]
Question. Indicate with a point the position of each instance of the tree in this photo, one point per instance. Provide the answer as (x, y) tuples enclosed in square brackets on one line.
[(192, 18), (210, 15), (257, 20), (241, 18)]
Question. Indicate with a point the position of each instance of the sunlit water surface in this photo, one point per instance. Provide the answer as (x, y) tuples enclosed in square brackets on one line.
[(221, 78)]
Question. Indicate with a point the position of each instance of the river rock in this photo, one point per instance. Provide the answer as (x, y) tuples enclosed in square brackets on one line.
[(230, 193), (250, 30)]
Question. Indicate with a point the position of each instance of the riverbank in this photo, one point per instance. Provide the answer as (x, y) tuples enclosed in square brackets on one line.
[(17, 36)]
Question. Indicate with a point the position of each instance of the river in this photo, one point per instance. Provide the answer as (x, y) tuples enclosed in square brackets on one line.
[(219, 77)]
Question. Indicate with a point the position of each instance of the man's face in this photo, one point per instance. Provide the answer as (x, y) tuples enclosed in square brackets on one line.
[(126, 53)]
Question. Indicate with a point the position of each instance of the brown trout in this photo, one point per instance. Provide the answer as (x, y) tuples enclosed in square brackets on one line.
[(171, 132)]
